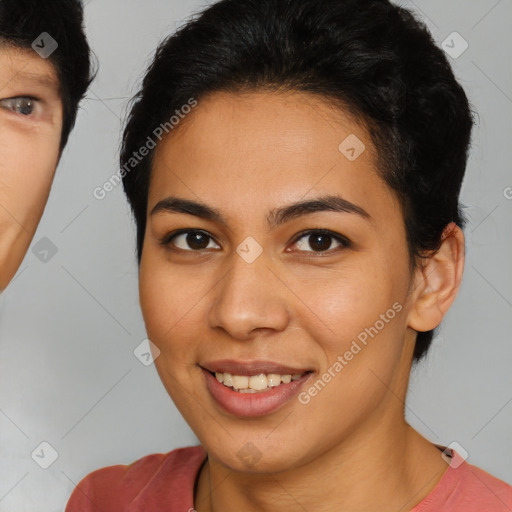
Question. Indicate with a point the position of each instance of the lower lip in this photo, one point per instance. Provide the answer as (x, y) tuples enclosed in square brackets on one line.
[(252, 404)]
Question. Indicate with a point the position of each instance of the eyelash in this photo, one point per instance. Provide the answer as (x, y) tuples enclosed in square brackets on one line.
[(345, 242), (15, 99)]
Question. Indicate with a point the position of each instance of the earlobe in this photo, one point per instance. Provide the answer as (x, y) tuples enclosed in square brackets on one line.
[(437, 282)]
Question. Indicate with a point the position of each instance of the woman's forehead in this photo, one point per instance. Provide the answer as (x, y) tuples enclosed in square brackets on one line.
[(265, 151), (254, 129)]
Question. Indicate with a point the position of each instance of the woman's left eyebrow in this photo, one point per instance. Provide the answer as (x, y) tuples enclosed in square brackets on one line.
[(276, 216)]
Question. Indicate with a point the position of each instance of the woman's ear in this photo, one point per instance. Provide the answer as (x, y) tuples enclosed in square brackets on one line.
[(437, 282)]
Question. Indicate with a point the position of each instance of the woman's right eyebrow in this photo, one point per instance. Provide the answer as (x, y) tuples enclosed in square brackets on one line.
[(276, 216)]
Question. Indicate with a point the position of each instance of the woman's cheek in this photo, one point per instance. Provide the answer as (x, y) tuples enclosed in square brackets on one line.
[(345, 304), (365, 323), (166, 301), (151, 301)]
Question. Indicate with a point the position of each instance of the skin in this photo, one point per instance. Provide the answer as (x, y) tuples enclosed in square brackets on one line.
[(349, 448), (30, 134)]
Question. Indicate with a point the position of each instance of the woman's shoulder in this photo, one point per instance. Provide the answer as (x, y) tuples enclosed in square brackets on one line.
[(485, 491), (152, 480), (467, 488)]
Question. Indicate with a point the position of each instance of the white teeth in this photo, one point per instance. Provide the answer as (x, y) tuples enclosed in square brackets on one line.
[(240, 381), (258, 382), (273, 379), (254, 383)]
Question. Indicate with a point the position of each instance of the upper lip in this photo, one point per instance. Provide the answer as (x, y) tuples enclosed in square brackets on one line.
[(249, 368)]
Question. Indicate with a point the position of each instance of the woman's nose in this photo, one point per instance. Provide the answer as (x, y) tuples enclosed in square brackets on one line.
[(250, 296)]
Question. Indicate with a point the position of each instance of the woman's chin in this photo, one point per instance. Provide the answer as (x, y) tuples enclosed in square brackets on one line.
[(254, 458)]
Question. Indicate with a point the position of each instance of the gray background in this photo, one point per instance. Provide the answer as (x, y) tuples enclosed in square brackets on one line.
[(68, 327)]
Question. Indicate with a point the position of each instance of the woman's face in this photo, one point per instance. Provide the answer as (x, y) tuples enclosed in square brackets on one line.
[(259, 291), (30, 132)]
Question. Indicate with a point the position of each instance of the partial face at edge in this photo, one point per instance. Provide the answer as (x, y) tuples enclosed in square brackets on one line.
[(30, 133), (303, 301)]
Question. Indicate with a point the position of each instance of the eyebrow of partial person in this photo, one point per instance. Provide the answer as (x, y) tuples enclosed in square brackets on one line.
[(43, 80), (275, 218)]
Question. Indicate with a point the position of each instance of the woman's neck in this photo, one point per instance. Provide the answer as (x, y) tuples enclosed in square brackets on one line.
[(363, 474)]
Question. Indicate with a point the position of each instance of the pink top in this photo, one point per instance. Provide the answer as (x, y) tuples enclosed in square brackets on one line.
[(165, 483)]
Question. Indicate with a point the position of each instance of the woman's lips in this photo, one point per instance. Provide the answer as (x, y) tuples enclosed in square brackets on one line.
[(252, 404)]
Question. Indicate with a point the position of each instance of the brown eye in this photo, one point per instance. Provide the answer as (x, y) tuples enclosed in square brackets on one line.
[(190, 240), (321, 241)]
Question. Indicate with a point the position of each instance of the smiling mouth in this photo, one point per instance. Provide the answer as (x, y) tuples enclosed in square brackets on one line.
[(259, 383), (249, 389)]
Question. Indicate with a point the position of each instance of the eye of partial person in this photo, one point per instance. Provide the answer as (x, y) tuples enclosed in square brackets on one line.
[(22, 105)]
